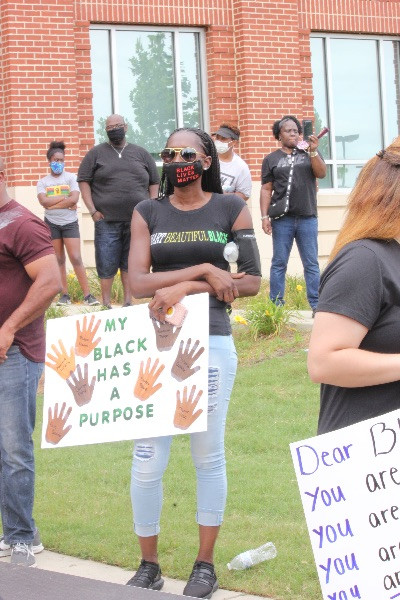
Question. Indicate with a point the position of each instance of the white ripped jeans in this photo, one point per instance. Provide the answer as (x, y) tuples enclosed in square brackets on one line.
[(150, 456)]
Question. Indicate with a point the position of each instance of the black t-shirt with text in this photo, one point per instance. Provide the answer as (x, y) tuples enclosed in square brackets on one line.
[(363, 283), (180, 239), (303, 194)]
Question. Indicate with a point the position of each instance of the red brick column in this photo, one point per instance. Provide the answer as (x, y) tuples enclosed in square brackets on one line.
[(267, 70), (39, 85)]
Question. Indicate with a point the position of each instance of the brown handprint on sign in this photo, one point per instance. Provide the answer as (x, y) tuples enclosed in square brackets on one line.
[(84, 337), (80, 387), (56, 429), (145, 387), (182, 367), (184, 412), (166, 334), (64, 364)]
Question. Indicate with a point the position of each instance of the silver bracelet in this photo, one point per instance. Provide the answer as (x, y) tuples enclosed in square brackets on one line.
[(264, 217)]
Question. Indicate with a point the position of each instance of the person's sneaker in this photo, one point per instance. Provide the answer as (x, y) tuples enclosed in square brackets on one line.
[(147, 576), (91, 300), (64, 300), (202, 582), (37, 546), (314, 310), (22, 555)]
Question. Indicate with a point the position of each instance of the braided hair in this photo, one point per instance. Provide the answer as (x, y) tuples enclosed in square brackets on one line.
[(276, 127), (210, 179), (55, 147)]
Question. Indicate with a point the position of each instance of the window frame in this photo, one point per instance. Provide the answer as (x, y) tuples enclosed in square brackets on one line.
[(326, 37), (175, 31)]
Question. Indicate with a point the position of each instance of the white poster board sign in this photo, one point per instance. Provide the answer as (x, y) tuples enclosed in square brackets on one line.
[(349, 484), (118, 375)]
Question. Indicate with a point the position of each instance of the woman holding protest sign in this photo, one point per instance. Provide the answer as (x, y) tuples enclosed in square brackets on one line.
[(190, 199), (355, 344)]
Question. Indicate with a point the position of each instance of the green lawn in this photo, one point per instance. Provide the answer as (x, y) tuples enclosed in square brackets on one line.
[(82, 493)]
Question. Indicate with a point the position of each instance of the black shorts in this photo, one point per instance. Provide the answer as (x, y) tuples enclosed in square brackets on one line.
[(58, 232)]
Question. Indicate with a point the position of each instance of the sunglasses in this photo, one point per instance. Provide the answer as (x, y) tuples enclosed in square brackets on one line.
[(187, 154)]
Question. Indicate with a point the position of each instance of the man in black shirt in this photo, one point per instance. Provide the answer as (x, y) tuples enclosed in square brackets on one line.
[(113, 177)]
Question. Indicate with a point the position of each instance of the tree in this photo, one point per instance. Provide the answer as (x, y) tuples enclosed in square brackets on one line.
[(153, 97)]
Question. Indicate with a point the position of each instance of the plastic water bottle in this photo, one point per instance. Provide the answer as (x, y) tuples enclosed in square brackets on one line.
[(231, 252), (253, 557)]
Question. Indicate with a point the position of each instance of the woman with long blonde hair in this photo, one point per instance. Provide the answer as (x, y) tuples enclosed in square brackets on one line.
[(355, 344)]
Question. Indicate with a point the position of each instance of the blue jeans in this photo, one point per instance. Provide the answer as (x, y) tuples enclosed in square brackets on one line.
[(111, 243), (284, 231), (150, 456), (19, 379)]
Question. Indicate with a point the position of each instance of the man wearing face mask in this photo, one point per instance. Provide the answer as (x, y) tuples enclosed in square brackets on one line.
[(113, 177), (235, 174)]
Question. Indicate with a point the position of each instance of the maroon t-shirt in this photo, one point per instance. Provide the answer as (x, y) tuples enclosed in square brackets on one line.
[(23, 239)]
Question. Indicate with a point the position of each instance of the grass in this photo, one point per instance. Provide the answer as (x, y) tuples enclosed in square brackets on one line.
[(82, 493)]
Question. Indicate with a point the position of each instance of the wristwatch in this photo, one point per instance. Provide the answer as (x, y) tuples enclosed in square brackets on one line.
[(313, 154)]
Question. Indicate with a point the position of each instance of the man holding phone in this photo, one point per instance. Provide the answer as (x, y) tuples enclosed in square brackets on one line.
[(288, 178)]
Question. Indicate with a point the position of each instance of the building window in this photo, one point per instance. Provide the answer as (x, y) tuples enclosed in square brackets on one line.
[(357, 95), (154, 78)]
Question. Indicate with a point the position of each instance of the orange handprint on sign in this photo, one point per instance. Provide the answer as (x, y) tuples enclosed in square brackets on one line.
[(84, 337), (64, 364), (56, 429), (184, 412), (145, 387)]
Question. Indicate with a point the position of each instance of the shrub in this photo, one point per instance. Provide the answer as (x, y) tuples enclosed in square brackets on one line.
[(295, 293), (74, 289), (264, 317), (117, 290)]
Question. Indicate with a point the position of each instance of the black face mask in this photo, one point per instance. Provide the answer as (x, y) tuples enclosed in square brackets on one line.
[(116, 135), (181, 174)]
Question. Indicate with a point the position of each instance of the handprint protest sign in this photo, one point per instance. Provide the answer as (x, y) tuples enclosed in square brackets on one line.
[(120, 374)]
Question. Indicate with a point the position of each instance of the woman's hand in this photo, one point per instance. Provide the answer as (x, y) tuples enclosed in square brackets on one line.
[(266, 226), (313, 143), (166, 297), (223, 283)]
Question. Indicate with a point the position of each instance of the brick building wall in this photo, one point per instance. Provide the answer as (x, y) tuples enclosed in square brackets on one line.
[(258, 68)]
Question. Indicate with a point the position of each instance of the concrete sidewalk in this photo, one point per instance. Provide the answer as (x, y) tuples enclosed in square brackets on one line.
[(69, 565)]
